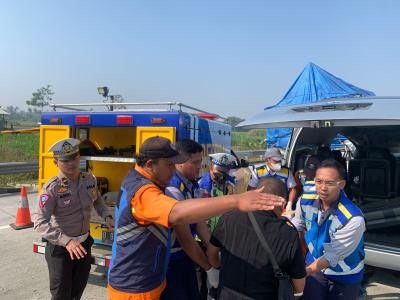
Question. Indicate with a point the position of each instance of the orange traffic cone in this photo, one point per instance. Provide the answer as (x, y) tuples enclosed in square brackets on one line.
[(23, 218)]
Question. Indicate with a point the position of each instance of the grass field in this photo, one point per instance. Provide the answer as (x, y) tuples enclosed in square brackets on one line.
[(18, 147)]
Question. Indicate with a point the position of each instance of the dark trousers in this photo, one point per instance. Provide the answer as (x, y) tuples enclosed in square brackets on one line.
[(181, 281), (68, 278), (319, 287)]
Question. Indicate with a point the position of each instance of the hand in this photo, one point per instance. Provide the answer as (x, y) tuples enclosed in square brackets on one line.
[(308, 271), (75, 249), (110, 222), (257, 200), (213, 277)]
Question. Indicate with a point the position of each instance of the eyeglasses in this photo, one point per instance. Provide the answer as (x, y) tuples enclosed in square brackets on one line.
[(328, 183)]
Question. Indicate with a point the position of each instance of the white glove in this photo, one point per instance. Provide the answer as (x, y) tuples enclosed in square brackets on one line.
[(213, 277)]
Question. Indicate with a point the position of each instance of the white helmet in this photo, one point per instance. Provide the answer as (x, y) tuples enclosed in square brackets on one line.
[(224, 160)]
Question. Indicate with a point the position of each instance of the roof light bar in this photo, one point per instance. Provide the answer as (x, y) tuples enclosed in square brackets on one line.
[(82, 120), (124, 120)]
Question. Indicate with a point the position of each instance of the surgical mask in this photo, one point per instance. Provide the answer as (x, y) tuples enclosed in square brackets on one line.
[(276, 167)]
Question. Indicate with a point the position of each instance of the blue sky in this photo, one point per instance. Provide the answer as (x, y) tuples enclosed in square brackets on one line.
[(229, 57)]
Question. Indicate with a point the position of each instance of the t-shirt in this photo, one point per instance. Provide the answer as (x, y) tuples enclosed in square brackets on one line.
[(150, 204), (245, 264)]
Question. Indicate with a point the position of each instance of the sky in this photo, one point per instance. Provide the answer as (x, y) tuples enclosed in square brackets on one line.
[(228, 57)]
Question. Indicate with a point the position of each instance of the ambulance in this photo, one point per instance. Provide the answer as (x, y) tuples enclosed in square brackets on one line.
[(111, 136)]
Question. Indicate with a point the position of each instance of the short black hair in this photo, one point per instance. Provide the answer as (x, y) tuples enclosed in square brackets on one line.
[(187, 146), (141, 160), (334, 164), (273, 186)]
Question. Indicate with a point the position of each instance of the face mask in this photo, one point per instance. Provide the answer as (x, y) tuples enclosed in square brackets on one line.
[(220, 177), (276, 167), (302, 179)]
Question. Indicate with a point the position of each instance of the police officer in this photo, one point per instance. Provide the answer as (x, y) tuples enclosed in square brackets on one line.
[(218, 181), (62, 218), (273, 167)]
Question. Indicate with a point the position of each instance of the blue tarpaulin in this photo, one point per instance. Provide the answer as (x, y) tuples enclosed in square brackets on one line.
[(312, 85)]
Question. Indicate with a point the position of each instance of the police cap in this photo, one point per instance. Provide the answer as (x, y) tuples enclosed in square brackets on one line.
[(65, 149)]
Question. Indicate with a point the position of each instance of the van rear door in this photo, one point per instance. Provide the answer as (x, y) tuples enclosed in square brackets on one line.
[(374, 122)]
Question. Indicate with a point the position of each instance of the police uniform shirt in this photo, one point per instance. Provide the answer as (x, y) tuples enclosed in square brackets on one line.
[(64, 208), (245, 263), (254, 178)]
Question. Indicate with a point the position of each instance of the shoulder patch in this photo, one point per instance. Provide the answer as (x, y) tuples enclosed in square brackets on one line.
[(43, 198)]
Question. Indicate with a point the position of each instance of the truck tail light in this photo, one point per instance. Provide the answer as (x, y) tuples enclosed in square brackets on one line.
[(82, 120), (107, 262), (55, 121), (124, 120)]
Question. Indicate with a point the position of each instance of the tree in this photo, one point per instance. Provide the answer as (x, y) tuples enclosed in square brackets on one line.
[(12, 110), (233, 121), (41, 98)]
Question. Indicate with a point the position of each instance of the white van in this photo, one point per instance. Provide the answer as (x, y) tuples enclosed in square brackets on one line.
[(371, 155)]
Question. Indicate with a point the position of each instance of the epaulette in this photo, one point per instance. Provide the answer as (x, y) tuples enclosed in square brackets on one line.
[(51, 182)]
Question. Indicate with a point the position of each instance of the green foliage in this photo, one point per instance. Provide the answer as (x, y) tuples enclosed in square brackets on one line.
[(233, 121), (19, 147), (253, 139), (41, 98), (19, 119)]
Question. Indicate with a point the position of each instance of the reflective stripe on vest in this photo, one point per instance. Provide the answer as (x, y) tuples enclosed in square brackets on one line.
[(176, 181), (282, 174), (350, 268), (309, 190), (140, 253)]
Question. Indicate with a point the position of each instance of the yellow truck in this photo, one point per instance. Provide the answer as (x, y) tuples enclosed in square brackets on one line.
[(111, 138)]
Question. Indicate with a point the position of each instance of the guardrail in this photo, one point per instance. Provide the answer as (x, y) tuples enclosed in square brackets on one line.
[(32, 166), (18, 167), (251, 155), (24, 167)]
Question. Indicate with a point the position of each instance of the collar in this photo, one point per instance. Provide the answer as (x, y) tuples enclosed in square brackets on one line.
[(144, 172), (189, 184), (269, 170), (148, 175), (332, 208), (65, 181)]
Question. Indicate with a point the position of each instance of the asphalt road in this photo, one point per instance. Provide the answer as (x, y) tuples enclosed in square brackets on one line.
[(24, 274)]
